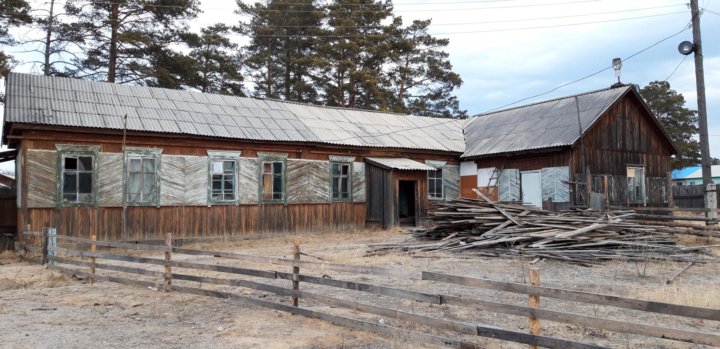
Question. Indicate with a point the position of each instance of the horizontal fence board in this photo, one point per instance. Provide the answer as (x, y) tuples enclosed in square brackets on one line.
[(189, 265), (334, 319), (589, 321), (457, 326), (614, 301), (259, 259)]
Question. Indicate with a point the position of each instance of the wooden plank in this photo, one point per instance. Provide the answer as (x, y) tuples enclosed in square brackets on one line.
[(179, 264), (589, 321), (614, 301), (461, 327), (334, 319), (120, 268), (260, 259)]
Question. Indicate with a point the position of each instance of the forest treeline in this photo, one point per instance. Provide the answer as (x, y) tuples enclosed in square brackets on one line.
[(345, 53)]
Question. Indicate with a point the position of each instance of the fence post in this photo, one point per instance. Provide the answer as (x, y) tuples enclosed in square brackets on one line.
[(168, 256), (52, 244), (296, 271), (534, 302), (44, 246), (711, 203), (669, 193), (606, 192), (93, 249)]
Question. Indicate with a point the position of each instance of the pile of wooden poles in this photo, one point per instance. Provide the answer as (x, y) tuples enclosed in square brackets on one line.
[(584, 237)]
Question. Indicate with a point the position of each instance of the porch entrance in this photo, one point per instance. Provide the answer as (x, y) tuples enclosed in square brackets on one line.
[(406, 202)]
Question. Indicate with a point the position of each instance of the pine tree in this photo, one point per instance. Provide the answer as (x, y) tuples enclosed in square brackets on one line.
[(13, 13), (216, 62), (281, 58), (358, 47), (421, 75), (132, 40), (680, 123)]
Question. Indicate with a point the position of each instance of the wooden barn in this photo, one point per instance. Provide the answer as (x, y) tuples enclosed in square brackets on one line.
[(597, 148), (200, 165)]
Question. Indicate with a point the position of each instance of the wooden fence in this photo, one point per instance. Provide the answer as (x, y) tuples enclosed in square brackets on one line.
[(689, 196), (79, 256)]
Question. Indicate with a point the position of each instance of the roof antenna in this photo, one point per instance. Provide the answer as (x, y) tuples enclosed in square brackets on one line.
[(617, 65)]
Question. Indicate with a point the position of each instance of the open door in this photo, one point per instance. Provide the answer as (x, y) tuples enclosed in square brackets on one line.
[(406, 208)]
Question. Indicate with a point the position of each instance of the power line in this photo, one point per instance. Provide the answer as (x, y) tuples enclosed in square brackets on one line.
[(371, 5), (676, 67), (498, 21), (686, 27)]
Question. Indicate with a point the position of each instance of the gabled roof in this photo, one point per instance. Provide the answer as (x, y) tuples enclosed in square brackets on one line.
[(36, 99), (544, 125)]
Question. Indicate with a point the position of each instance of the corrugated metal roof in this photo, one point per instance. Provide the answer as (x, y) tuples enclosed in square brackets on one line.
[(400, 164), (547, 124), (37, 99)]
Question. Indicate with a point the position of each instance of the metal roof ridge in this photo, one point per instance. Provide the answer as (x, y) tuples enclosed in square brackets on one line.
[(551, 100)]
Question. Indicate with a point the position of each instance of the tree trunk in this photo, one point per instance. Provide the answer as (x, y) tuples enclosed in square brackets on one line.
[(112, 59)]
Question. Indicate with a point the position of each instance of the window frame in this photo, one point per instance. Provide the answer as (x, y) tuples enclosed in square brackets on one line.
[(216, 156), (643, 199), (142, 153), (272, 158), (442, 183), (64, 151), (349, 181)]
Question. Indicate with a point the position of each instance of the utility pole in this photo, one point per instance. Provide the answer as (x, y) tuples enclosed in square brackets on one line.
[(48, 38), (700, 82)]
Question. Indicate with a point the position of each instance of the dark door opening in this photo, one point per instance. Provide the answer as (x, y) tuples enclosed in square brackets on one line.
[(406, 202)]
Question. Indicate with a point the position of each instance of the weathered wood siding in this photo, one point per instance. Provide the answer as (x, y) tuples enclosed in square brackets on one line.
[(110, 179), (196, 180), (308, 181), (184, 208), (624, 136), (248, 180), (451, 181), (199, 221), (172, 180), (358, 182), (378, 199), (41, 178)]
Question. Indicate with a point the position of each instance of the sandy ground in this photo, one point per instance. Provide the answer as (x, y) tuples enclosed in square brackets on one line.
[(40, 308)]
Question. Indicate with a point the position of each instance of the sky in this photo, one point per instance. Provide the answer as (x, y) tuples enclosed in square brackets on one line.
[(514, 52)]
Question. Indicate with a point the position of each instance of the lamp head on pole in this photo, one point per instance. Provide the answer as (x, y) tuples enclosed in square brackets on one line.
[(617, 65), (686, 48)]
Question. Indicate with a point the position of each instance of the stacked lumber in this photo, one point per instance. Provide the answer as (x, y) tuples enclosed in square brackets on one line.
[(508, 230)]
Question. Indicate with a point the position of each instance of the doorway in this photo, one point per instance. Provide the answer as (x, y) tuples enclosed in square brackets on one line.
[(406, 202)]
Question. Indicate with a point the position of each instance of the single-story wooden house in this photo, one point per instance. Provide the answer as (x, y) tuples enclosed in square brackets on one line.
[(193, 164), (545, 153)]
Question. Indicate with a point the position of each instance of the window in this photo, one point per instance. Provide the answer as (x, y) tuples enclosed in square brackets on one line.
[(77, 178), (636, 184), (435, 184), (340, 181), (142, 180), (223, 181), (273, 187)]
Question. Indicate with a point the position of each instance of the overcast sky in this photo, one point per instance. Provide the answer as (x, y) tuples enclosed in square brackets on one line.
[(509, 50)]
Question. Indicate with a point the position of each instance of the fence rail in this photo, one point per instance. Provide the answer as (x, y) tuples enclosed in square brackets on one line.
[(50, 253)]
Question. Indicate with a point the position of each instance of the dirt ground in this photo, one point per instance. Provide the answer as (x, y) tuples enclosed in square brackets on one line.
[(41, 308)]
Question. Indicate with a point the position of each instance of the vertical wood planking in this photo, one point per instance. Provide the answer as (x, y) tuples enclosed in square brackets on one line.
[(451, 181)]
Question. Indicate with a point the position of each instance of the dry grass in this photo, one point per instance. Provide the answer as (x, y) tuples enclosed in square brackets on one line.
[(693, 295)]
